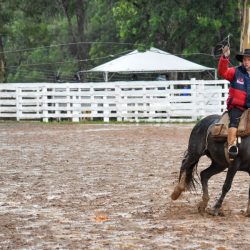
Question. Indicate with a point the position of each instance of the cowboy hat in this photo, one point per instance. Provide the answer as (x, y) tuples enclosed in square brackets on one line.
[(239, 56)]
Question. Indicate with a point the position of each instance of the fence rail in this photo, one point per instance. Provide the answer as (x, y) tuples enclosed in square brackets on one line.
[(121, 101)]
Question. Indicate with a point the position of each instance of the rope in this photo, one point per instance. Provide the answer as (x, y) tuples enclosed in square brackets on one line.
[(223, 43)]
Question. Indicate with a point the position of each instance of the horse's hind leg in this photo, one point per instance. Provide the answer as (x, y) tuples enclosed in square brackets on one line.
[(179, 188), (205, 176), (188, 164)]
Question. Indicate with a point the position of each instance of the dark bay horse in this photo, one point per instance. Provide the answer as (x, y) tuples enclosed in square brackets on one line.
[(201, 143)]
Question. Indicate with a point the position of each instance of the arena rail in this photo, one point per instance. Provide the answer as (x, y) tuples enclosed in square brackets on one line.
[(159, 101)]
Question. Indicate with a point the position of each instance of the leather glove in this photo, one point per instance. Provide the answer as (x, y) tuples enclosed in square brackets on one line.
[(226, 51)]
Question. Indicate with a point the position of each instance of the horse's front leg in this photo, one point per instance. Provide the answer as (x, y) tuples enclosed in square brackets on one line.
[(205, 176), (226, 187)]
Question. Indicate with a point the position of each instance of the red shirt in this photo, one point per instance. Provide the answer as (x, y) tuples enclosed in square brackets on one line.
[(224, 71), (237, 92)]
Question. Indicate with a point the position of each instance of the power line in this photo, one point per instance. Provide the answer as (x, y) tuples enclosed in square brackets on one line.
[(70, 61), (104, 57), (65, 44)]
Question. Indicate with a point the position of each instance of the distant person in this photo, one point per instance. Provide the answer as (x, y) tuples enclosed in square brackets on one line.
[(134, 77), (162, 77), (76, 78), (186, 86), (239, 92), (58, 79)]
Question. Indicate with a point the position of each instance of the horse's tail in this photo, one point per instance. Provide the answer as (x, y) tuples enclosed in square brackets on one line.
[(188, 168), (196, 148)]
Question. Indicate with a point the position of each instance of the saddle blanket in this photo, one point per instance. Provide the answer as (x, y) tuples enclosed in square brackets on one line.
[(220, 130)]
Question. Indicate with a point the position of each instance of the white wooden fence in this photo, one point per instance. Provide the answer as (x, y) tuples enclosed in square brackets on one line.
[(121, 101)]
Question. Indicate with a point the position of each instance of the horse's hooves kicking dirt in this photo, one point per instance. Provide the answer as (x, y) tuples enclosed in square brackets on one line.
[(215, 212), (201, 208)]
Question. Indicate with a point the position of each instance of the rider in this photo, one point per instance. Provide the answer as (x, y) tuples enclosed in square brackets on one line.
[(239, 92)]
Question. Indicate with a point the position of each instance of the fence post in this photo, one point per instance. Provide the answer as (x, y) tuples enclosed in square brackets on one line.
[(57, 108), (196, 98), (76, 107), (94, 105), (224, 96), (201, 98), (118, 103), (68, 102), (105, 110), (18, 103), (37, 100), (124, 105), (45, 104)]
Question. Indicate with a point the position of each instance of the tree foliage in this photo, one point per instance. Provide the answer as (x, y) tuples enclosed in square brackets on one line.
[(42, 40), (182, 27)]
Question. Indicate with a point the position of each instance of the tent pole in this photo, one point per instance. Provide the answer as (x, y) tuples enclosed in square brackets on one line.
[(215, 74), (106, 78)]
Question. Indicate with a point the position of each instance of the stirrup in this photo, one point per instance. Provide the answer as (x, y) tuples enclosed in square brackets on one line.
[(233, 150)]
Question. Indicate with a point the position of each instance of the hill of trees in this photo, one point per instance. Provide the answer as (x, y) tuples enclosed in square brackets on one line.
[(44, 40)]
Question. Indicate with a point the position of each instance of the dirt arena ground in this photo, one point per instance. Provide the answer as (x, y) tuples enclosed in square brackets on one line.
[(78, 186)]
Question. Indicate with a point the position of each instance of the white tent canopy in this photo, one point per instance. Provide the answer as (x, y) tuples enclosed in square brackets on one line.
[(153, 60)]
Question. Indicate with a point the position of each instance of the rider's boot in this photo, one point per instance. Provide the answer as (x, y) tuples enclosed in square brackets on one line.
[(232, 142)]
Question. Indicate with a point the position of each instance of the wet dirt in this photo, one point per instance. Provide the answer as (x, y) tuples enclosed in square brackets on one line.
[(78, 186)]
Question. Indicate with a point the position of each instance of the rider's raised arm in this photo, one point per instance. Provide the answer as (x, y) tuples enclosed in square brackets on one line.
[(223, 69)]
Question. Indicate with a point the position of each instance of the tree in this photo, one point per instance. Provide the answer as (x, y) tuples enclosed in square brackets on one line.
[(245, 25), (6, 14), (36, 32), (182, 27), (102, 32), (78, 9), (2, 61)]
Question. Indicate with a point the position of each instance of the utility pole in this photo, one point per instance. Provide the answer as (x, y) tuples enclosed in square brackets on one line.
[(245, 26)]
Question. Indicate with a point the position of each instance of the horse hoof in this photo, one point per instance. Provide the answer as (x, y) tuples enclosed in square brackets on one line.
[(177, 192), (247, 214), (215, 212), (201, 208), (175, 195), (212, 212)]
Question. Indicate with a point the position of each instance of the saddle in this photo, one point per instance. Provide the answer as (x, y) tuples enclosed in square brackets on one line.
[(220, 130)]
